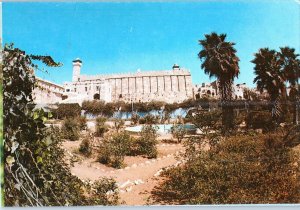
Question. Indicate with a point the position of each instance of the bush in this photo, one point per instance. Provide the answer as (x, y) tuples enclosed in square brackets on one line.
[(66, 111), (135, 118), (70, 129), (178, 131), (81, 120), (146, 144), (114, 149), (101, 128), (260, 120), (240, 170), (149, 119), (85, 146), (118, 124)]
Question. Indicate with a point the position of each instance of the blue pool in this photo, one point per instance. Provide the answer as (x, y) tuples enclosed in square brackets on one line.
[(163, 128)]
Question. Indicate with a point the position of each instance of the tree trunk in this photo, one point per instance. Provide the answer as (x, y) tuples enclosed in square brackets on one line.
[(227, 106)]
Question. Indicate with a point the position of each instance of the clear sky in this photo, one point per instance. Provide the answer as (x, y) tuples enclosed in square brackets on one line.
[(123, 37)]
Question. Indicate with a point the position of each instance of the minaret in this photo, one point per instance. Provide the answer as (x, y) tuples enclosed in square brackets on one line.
[(77, 63)]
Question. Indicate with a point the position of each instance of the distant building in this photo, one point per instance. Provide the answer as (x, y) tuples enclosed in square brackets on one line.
[(211, 90), (171, 86), (46, 92)]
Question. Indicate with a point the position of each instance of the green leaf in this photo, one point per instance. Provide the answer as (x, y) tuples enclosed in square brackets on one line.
[(50, 115), (10, 160), (39, 159), (35, 115)]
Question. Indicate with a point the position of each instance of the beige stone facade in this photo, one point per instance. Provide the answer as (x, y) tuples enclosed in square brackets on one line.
[(173, 85), (46, 92)]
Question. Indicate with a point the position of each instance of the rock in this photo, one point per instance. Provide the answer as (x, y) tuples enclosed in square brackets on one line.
[(147, 162), (127, 168), (128, 189), (134, 166), (128, 182)]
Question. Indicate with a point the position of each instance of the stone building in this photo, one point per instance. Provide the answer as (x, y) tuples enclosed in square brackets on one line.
[(46, 92), (211, 90), (171, 86)]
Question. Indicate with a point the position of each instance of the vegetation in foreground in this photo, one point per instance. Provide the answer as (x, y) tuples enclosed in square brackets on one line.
[(36, 173)]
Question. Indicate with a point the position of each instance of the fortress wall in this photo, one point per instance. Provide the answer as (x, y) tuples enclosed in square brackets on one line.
[(153, 83), (174, 83), (189, 85), (125, 85), (118, 88), (182, 86), (132, 82), (147, 87), (139, 85), (168, 83), (161, 85)]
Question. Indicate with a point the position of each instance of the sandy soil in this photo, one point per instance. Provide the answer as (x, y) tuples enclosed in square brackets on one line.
[(136, 180)]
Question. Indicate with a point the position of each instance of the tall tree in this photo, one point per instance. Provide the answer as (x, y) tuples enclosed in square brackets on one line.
[(269, 77), (220, 61), (290, 66)]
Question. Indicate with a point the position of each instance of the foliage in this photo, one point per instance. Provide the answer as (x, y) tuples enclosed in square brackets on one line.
[(81, 120), (240, 170), (149, 119), (221, 61), (35, 170), (66, 111), (70, 129), (135, 118), (85, 146), (178, 131), (207, 121), (96, 107), (114, 149), (146, 143), (101, 128), (260, 120), (118, 124)]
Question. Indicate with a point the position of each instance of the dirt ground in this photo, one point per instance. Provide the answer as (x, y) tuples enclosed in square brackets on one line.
[(137, 179)]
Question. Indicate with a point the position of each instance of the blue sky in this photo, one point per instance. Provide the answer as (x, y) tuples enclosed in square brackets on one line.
[(123, 37)]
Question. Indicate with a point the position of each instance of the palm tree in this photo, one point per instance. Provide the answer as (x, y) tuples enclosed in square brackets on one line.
[(269, 77), (290, 65), (220, 61)]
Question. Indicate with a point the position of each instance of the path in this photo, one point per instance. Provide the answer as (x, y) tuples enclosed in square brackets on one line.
[(137, 179)]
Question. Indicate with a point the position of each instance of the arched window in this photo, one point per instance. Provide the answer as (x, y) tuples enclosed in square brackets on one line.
[(97, 96)]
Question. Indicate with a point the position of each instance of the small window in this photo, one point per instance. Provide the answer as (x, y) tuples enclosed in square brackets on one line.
[(120, 96), (68, 90), (97, 87), (85, 89), (74, 89)]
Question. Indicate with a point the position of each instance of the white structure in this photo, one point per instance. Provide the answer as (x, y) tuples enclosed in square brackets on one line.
[(169, 85), (46, 92), (211, 90)]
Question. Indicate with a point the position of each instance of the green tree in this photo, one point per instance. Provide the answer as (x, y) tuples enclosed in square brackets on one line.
[(269, 77), (290, 65), (220, 61)]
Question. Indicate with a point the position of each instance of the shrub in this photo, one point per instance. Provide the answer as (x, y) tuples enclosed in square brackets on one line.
[(118, 124), (101, 128), (260, 120), (206, 121), (81, 120), (178, 131), (135, 118), (67, 111), (85, 146), (114, 149), (146, 143), (151, 119), (242, 169), (70, 129)]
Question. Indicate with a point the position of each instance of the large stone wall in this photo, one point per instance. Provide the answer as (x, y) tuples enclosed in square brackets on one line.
[(170, 86)]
